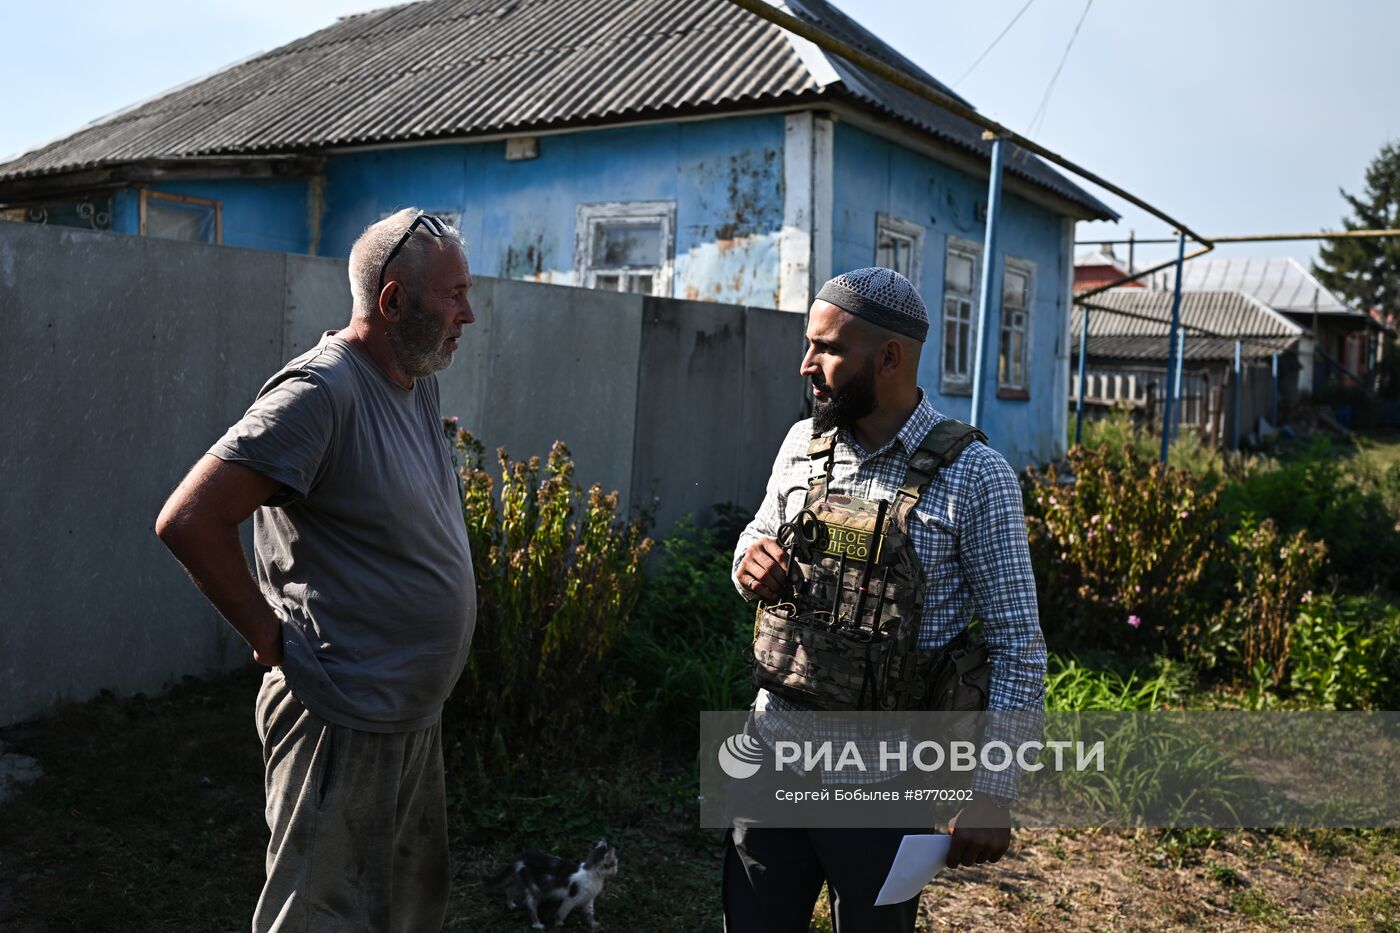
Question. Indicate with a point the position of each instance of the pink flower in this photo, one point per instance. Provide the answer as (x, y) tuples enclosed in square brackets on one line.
[(1110, 526), (1184, 514), (1134, 621), (1093, 519), (1307, 597)]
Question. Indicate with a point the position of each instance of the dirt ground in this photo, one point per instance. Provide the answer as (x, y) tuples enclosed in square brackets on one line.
[(148, 817), (1124, 881)]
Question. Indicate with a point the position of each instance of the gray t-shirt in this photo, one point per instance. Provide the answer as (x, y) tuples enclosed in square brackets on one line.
[(363, 553)]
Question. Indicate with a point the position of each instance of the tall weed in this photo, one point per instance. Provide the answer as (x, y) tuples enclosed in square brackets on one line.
[(558, 572), (1122, 550), (1272, 573)]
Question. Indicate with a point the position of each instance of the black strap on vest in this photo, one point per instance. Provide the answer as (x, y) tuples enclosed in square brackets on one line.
[(943, 444)]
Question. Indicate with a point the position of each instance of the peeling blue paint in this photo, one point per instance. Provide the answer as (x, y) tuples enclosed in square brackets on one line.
[(725, 178), (875, 175), (519, 218)]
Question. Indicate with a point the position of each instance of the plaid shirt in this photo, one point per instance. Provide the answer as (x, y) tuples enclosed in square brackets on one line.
[(970, 533)]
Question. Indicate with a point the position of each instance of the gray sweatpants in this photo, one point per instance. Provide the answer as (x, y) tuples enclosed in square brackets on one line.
[(358, 821)]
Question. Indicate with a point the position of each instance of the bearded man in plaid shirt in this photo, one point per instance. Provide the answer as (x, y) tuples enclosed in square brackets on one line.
[(865, 334)]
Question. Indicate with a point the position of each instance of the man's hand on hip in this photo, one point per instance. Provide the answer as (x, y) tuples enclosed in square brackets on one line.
[(981, 833), (763, 569), (199, 524)]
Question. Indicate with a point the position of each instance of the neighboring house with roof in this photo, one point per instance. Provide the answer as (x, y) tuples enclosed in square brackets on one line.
[(1347, 340), (1099, 268), (682, 149), (1126, 358)]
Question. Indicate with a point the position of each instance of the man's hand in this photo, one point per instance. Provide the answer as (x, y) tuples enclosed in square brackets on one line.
[(981, 833), (763, 569)]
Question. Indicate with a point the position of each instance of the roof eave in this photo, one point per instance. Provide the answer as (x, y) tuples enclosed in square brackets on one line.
[(42, 186)]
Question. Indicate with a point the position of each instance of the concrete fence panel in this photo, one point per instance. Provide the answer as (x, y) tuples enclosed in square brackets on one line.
[(127, 357), (124, 360)]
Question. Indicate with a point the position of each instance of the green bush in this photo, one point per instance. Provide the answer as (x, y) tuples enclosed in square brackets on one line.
[(1121, 553), (558, 573), (1340, 501), (1272, 573), (688, 647), (1346, 653)]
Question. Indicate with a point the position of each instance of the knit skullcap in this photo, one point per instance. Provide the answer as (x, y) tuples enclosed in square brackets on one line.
[(880, 296)]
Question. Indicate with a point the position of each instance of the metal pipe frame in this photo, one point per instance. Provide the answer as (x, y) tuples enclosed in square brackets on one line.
[(1173, 360), (998, 134), (991, 283), (1254, 238), (931, 94)]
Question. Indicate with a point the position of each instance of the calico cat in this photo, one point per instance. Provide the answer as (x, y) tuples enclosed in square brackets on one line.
[(540, 880)]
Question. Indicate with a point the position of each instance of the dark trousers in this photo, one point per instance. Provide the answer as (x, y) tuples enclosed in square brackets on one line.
[(772, 878)]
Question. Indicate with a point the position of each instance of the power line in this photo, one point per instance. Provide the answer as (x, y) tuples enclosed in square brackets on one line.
[(987, 51), (1044, 101)]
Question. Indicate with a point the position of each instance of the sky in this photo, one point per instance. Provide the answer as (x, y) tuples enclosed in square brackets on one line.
[(1235, 116)]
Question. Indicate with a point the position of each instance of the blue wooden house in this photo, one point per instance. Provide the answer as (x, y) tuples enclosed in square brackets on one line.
[(681, 148)]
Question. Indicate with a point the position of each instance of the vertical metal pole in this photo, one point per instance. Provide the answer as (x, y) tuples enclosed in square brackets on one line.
[(1176, 383), (1131, 243), (1172, 361), (1239, 393), (1273, 395), (991, 282), (1079, 402)]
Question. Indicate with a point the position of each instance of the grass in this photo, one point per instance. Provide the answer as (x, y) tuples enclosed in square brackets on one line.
[(1379, 450), (149, 818)]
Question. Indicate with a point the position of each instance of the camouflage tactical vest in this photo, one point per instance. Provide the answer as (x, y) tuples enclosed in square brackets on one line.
[(843, 635)]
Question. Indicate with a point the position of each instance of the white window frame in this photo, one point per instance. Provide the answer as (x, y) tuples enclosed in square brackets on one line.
[(911, 233), (951, 381), (638, 212), (1026, 268)]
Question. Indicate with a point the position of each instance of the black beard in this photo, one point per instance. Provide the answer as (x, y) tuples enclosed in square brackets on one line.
[(848, 404), (418, 341)]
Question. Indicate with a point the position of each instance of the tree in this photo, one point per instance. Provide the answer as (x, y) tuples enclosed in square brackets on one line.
[(1367, 271)]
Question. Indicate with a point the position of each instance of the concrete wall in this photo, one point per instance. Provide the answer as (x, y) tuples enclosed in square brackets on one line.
[(127, 357)]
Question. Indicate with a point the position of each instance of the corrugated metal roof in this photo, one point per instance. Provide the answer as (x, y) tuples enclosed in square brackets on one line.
[(445, 69), (1225, 316), (1279, 282)]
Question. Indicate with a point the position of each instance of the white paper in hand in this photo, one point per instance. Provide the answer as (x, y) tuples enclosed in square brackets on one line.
[(919, 858)]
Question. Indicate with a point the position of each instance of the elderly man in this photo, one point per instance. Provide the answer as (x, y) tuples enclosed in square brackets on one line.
[(963, 529), (364, 601)]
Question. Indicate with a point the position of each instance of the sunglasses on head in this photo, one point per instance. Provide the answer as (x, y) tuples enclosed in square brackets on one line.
[(428, 222)]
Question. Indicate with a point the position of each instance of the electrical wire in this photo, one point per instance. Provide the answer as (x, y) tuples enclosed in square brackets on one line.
[(1045, 100), (987, 51)]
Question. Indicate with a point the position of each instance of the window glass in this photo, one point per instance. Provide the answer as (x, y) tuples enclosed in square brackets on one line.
[(1015, 288), (959, 328), (626, 245), (895, 252), (1013, 345), (173, 220), (960, 273)]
